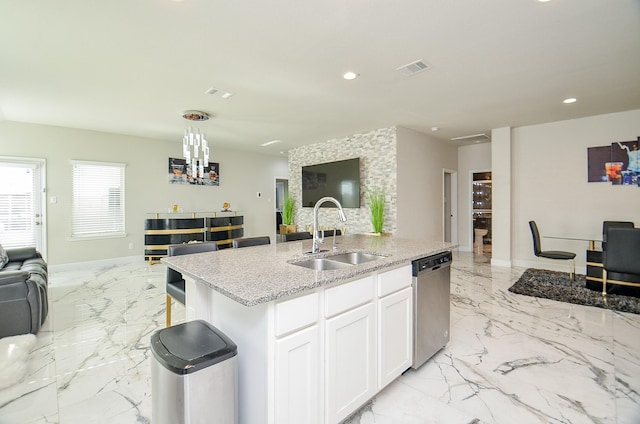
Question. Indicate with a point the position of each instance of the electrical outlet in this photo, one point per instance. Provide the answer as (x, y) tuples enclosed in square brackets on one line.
[(131, 245)]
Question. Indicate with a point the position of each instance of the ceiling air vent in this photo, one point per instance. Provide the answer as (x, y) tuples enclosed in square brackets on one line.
[(413, 68), (476, 138), (217, 92)]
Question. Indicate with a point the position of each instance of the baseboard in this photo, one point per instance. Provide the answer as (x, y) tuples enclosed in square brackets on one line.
[(102, 262), (500, 262)]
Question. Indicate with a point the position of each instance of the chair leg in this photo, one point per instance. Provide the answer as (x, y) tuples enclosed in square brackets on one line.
[(572, 274), (168, 311), (604, 282)]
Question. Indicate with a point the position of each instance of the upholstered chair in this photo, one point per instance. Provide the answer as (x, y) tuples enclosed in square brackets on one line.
[(251, 241), (551, 254), (175, 281)]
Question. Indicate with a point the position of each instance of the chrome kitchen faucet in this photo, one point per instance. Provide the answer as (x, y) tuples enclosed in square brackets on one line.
[(317, 240)]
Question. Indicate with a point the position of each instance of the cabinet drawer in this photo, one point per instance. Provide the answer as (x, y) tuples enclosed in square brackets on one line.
[(349, 295), (293, 314), (394, 280)]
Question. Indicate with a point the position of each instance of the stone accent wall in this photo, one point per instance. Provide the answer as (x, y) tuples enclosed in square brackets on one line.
[(377, 151)]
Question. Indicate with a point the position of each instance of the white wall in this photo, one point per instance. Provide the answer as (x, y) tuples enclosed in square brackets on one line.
[(501, 172), (242, 175), (471, 158), (549, 184), (421, 161)]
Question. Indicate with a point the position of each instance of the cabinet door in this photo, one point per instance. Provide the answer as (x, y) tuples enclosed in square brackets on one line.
[(350, 373), (395, 315), (297, 378)]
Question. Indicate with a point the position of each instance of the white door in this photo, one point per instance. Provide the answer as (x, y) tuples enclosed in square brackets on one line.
[(351, 362), (22, 205), (450, 206)]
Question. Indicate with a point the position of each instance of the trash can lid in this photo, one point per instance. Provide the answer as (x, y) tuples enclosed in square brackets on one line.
[(192, 346)]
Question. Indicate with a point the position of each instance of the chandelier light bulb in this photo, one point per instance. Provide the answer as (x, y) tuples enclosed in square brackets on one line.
[(195, 147)]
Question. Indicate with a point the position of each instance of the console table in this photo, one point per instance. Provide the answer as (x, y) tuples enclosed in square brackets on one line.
[(162, 229)]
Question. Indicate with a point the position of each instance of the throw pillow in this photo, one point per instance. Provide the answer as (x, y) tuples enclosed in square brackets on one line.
[(4, 258)]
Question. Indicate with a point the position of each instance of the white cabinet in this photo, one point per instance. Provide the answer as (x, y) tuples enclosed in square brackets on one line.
[(297, 371), (350, 366), (395, 324), (350, 347), (318, 356), (297, 377), (396, 335)]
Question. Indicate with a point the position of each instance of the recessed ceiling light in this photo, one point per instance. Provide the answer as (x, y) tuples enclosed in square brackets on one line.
[(434, 129), (543, 1), (569, 100), (350, 75), (269, 143)]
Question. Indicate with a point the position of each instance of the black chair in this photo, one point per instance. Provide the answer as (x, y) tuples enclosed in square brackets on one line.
[(251, 241), (175, 282), (622, 257), (329, 233), (613, 224), (551, 254), (304, 235)]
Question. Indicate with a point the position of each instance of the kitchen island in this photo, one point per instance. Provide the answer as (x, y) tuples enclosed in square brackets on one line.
[(313, 346)]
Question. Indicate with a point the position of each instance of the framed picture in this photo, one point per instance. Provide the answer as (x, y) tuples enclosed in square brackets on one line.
[(179, 172), (618, 164)]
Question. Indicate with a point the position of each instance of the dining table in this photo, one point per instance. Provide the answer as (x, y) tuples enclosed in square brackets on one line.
[(590, 239)]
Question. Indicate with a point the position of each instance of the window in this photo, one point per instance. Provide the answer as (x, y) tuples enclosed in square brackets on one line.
[(19, 203), (98, 200)]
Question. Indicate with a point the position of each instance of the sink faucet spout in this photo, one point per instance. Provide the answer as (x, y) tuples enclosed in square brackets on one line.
[(317, 240)]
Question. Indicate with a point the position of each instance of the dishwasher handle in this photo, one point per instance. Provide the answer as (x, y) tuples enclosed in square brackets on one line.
[(431, 263)]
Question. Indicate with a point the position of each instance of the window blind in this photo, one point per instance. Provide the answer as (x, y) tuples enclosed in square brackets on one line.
[(98, 200), (17, 214)]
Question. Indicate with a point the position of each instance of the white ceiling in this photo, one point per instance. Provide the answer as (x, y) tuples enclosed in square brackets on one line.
[(132, 66)]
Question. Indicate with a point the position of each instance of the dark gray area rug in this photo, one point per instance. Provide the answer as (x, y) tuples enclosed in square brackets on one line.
[(557, 286)]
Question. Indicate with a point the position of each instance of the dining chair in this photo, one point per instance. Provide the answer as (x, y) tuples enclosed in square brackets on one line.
[(551, 254), (621, 256), (329, 233), (251, 241), (303, 235), (175, 282), (611, 224)]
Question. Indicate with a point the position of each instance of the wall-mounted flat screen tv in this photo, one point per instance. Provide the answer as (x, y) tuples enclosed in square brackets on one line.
[(339, 179)]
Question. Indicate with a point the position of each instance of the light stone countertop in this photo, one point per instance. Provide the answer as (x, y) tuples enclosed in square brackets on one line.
[(259, 274)]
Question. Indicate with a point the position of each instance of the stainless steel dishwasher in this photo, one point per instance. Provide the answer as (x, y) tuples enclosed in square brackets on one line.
[(431, 306)]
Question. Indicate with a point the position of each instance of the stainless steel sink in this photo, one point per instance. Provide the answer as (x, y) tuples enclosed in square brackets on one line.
[(338, 261), (355, 258), (322, 264)]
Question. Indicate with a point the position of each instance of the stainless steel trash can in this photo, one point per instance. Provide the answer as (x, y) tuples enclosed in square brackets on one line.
[(193, 375)]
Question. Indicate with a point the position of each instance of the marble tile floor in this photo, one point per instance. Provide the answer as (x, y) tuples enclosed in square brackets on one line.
[(511, 359)]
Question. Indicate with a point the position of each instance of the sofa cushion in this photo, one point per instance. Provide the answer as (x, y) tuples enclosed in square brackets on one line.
[(4, 258), (12, 266), (35, 267)]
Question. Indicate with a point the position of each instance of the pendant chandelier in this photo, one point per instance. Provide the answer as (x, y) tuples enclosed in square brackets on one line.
[(195, 148)]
